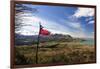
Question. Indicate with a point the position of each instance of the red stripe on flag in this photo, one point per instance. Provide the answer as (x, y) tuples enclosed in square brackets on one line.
[(44, 32)]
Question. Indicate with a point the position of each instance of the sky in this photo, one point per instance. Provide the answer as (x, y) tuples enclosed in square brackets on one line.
[(75, 21)]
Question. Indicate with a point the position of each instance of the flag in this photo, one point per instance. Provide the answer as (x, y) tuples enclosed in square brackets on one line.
[(43, 31)]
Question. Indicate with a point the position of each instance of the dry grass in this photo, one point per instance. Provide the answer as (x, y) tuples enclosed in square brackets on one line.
[(68, 53)]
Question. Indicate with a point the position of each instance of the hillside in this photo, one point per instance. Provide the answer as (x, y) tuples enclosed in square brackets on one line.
[(28, 40)]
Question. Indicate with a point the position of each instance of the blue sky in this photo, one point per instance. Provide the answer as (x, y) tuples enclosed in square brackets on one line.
[(76, 21)]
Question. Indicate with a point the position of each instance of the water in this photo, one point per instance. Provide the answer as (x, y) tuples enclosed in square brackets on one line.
[(88, 42)]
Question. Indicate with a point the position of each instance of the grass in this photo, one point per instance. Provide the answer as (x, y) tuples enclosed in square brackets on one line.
[(55, 52)]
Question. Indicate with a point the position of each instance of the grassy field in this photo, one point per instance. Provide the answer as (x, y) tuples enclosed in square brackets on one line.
[(55, 52)]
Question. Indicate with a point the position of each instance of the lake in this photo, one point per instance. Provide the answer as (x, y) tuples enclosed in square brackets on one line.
[(88, 42)]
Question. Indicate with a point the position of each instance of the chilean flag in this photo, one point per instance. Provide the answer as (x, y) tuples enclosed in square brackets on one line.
[(43, 31)]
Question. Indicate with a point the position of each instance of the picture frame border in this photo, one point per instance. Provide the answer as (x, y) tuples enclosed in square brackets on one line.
[(12, 30)]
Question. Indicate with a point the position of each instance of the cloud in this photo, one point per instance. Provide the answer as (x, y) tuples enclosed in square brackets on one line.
[(89, 19), (91, 22), (75, 28), (75, 25), (31, 25), (92, 32), (70, 22), (84, 12), (64, 26), (52, 26)]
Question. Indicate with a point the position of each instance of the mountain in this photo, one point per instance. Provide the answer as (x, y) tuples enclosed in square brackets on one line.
[(28, 40)]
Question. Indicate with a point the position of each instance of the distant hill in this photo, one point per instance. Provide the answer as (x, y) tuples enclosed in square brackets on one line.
[(28, 40)]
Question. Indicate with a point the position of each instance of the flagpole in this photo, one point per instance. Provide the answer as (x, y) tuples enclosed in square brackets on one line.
[(38, 40)]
